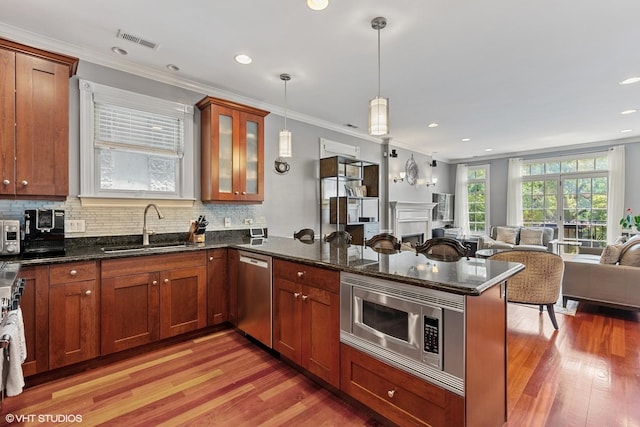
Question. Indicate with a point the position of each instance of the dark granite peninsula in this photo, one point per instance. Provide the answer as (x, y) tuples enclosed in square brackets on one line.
[(466, 276), (433, 351)]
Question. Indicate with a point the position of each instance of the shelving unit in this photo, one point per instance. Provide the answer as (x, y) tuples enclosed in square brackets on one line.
[(350, 197)]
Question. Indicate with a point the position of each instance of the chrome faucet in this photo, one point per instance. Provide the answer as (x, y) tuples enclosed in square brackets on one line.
[(145, 232)]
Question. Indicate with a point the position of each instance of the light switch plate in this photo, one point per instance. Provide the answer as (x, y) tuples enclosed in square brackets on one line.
[(227, 222)]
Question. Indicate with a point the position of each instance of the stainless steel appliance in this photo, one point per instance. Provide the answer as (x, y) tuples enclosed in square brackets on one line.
[(43, 231), (418, 330), (10, 237), (254, 297), (11, 287)]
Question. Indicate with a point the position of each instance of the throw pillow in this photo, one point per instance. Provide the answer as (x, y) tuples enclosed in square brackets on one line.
[(631, 255), (610, 254), (629, 243), (507, 235), (530, 236)]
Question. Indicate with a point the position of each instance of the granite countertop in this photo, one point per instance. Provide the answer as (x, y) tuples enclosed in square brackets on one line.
[(466, 276)]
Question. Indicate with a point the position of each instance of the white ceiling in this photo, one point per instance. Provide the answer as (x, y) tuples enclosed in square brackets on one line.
[(511, 75)]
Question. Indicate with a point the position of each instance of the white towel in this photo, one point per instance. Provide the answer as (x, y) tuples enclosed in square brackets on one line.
[(13, 327)]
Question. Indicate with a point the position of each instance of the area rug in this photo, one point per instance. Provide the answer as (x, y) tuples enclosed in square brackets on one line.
[(569, 310)]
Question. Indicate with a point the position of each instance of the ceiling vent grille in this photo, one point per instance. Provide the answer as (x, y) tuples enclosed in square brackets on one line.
[(137, 40)]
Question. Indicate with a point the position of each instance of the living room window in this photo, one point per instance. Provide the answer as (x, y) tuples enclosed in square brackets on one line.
[(134, 146), (569, 193), (477, 198)]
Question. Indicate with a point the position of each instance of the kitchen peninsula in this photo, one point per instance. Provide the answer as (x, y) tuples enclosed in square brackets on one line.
[(307, 287)]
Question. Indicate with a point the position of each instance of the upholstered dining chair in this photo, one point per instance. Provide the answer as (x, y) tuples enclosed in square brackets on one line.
[(384, 243), (338, 238), (306, 235), (443, 249), (539, 283)]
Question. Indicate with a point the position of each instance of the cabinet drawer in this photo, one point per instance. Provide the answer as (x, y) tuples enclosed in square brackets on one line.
[(72, 272), (305, 274), (402, 398)]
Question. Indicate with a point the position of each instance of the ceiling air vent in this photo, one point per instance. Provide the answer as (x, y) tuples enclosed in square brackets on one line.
[(135, 39)]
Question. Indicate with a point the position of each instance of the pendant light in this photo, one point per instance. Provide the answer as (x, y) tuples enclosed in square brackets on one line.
[(284, 140), (378, 107)]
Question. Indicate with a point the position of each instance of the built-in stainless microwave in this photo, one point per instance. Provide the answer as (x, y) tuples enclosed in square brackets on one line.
[(417, 329)]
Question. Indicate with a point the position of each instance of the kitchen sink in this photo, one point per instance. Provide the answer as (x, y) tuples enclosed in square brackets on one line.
[(156, 247)]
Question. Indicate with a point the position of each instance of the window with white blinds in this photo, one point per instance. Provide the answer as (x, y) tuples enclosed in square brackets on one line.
[(133, 145), (138, 131)]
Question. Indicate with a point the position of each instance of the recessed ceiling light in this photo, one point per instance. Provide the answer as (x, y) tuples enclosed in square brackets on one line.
[(626, 130), (119, 50), (466, 139), (432, 125), (629, 111), (173, 67), (317, 4), (630, 80), (488, 149), (243, 59)]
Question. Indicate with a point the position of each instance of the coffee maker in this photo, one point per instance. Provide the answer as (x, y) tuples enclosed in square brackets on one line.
[(43, 232)]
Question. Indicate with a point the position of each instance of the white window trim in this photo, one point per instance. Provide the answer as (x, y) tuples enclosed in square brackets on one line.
[(487, 195), (89, 93)]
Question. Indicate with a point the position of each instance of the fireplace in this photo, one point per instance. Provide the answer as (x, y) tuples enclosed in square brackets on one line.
[(413, 239), (411, 221)]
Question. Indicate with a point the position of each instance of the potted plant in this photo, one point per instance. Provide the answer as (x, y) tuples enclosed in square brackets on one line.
[(629, 221)]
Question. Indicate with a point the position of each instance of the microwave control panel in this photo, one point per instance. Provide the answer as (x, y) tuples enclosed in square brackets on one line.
[(431, 335), (432, 339)]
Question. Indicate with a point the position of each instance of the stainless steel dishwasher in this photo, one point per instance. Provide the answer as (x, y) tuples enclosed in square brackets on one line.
[(254, 297)]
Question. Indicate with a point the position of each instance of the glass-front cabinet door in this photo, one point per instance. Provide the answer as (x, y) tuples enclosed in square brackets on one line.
[(225, 154), (252, 173), (232, 150)]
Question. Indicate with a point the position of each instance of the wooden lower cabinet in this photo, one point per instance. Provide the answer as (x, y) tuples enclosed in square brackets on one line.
[(35, 312), (307, 318), (217, 287), (73, 313), (145, 299), (398, 396)]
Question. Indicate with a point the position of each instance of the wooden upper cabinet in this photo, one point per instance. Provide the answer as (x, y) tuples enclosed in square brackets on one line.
[(232, 151), (34, 121)]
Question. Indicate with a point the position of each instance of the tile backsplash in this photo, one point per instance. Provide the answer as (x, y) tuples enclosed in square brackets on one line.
[(117, 221)]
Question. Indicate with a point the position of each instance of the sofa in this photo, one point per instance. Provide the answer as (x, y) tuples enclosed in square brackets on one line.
[(519, 238), (611, 278)]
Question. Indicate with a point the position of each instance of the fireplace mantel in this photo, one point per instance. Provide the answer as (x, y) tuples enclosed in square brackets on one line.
[(410, 218)]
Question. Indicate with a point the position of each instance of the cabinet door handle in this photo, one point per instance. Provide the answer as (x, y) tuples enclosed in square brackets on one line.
[(305, 297), (244, 192), (155, 282), (236, 193), (88, 292), (25, 183), (300, 273), (6, 182), (296, 294), (210, 258), (166, 280), (73, 272), (390, 393)]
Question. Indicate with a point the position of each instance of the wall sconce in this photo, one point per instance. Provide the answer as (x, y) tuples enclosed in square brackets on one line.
[(433, 182), (433, 163), (400, 178), (394, 153)]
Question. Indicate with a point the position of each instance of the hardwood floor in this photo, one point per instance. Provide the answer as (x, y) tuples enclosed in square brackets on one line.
[(585, 374)]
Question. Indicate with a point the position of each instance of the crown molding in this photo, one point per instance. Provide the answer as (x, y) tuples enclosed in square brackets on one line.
[(108, 60)]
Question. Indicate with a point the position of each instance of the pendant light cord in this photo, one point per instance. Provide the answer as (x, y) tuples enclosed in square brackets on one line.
[(378, 62), (285, 104)]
